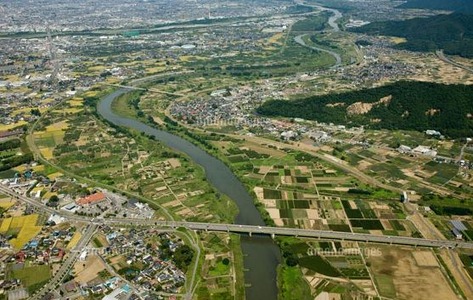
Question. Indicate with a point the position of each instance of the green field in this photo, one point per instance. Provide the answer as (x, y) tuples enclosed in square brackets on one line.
[(292, 285), (319, 265), (32, 277)]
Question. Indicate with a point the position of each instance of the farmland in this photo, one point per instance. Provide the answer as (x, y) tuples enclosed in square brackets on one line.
[(400, 270), (322, 264), (23, 227), (32, 277), (309, 195), (222, 265), (126, 161)]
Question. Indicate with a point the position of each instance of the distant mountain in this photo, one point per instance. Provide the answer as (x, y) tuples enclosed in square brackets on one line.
[(453, 33), (407, 105), (464, 6)]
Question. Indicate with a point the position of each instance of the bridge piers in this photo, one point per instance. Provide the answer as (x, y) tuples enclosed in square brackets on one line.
[(249, 233), (273, 235)]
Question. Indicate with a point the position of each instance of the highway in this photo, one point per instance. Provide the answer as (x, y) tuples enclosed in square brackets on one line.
[(306, 233), (442, 56), (251, 229)]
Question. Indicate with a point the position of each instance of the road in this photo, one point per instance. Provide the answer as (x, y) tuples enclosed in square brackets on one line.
[(68, 263), (442, 56)]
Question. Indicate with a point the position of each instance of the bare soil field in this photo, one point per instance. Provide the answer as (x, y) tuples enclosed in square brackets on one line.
[(93, 265), (399, 276), (425, 259)]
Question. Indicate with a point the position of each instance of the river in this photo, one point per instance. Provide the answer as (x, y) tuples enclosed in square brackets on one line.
[(332, 22), (261, 255)]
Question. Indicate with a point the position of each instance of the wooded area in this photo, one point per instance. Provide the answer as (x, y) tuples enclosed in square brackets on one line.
[(414, 106)]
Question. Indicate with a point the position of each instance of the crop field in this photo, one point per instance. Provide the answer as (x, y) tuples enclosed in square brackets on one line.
[(4, 127), (397, 273), (24, 225), (442, 172), (76, 102), (137, 164), (6, 203), (219, 265), (33, 277), (410, 171), (319, 265), (74, 240)]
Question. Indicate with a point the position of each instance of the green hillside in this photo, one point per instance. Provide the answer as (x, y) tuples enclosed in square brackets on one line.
[(407, 105), (465, 6), (453, 33)]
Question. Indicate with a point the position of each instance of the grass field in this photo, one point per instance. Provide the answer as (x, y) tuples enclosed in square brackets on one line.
[(292, 285), (32, 276)]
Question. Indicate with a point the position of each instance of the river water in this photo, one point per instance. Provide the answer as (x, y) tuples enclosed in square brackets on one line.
[(261, 255)]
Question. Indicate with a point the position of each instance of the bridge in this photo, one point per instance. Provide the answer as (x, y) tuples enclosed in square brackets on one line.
[(250, 229), (297, 232)]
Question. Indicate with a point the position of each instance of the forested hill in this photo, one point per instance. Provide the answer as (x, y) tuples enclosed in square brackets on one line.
[(464, 6), (453, 33), (405, 105)]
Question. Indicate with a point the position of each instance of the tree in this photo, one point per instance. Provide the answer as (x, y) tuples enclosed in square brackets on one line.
[(35, 112), (183, 257)]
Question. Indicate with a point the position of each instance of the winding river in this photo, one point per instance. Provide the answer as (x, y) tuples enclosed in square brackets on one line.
[(332, 22), (261, 255)]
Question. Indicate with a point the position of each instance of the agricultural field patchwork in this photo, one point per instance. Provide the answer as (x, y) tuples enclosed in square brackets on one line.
[(91, 149)]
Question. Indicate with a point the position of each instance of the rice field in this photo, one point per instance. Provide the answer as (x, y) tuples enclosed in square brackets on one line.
[(4, 127), (76, 102), (6, 203), (74, 240), (27, 229)]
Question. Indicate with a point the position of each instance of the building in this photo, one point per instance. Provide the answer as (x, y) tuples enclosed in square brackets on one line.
[(458, 225), (458, 235), (91, 199), (424, 150), (83, 255), (404, 197)]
